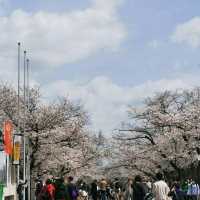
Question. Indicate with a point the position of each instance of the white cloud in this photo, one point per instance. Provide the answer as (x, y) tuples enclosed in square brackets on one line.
[(3, 3), (154, 44), (4, 7), (54, 39), (107, 102), (188, 33)]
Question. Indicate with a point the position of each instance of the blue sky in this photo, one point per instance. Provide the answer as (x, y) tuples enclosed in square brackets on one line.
[(107, 53)]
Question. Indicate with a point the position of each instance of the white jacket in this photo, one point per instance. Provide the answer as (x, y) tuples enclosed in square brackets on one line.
[(160, 190)]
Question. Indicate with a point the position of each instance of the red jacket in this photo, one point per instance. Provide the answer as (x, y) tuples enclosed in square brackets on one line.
[(51, 190)]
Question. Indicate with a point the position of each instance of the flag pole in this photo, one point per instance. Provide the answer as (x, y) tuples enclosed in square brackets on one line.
[(28, 77), (28, 148), (18, 102), (24, 157)]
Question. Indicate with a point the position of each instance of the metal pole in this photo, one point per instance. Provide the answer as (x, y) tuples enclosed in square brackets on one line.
[(18, 93), (24, 171), (18, 102), (28, 86), (28, 149), (7, 170)]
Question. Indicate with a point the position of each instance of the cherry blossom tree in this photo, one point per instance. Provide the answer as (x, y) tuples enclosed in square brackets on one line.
[(163, 136), (58, 140)]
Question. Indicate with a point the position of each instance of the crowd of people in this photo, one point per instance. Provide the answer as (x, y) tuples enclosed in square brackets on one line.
[(133, 189)]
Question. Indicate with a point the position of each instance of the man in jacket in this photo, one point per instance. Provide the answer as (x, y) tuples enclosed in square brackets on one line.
[(160, 188)]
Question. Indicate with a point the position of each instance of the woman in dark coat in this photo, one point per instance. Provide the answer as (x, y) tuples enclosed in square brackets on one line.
[(138, 189)]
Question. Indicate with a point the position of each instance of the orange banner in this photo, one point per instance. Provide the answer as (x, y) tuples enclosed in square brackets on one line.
[(16, 153), (7, 136)]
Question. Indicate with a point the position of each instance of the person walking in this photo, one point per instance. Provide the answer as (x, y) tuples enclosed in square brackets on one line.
[(39, 186), (61, 192), (176, 192), (138, 189), (72, 189), (193, 190), (20, 188), (160, 188), (184, 187), (47, 192), (102, 194), (129, 190), (94, 190)]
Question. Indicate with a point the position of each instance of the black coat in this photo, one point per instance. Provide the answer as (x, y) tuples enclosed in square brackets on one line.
[(94, 190), (138, 191)]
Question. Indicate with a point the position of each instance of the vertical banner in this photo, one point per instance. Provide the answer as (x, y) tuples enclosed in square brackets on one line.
[(7, 136), (16, 149)]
